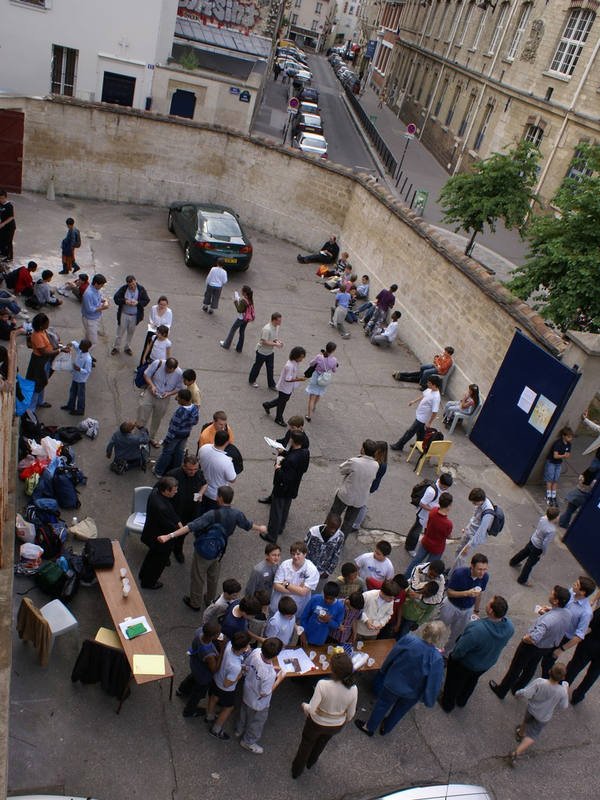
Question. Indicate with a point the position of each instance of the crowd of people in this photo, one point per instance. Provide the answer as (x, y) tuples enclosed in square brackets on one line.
[(315, 596)]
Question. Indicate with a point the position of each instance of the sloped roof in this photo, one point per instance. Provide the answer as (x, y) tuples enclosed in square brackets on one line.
[(225, 38)]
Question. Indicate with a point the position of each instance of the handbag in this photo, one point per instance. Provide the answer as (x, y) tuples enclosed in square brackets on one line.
[(309, 371), (324, 379)]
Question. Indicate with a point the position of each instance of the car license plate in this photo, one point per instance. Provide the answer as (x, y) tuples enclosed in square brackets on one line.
[(230, 260)]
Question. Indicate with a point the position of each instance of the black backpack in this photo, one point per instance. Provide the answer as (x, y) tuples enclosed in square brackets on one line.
[(98, 553), (236, 458), (431, 435), (418, 490), (498, 522), (64, 488)]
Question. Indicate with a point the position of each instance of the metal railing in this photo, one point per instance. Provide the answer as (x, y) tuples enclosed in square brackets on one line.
[(387, 157)]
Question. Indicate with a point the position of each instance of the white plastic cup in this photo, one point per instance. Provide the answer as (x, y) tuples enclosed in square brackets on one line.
[(370, 662), (360, 645), (322, 658), (330, 650), (123, 572), (477, 588), (312, 655), (299, 630), (325, 664), (126, 590)]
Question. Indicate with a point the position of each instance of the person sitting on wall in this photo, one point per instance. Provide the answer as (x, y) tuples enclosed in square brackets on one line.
[(327, 254)]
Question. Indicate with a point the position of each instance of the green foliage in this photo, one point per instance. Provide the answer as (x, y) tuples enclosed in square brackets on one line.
[(500, 187), (562, 271), (189, 60)]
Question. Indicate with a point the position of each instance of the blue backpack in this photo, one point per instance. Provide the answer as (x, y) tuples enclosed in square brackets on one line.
[(212, 542), (64, 489)]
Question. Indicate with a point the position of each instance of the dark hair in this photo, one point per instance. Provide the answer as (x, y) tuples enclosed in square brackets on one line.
[(566, 431), (446, 479), (357, 600), (369, 447), (552, 512), (394, 287), (226, 494), (270, 547), (82, 277), (429, 589), (126, 427), (401, 580), (40, 322), (499, 606), (474, 392), (287, 605), (349, 568), (31, 266), (445, 500), (381, 453), (271, 647), (165, 483), (188, 375), (185, 395), (435, 380), (85, 345), (163, 330), (396, 314), (240, 640), (335, 518), (296, 353), (69, 221), (171, 363), (479, 558), (385, 548), (190, 459), (296, 420), (231, 586), (220, 415), (476, 495), (298, 546), (249, 293), (46, 274), (437, 565), (98, 279), (130, 278), (330, 348), (221, 438), (250, 606), (331, 589), (262, 596), (342, 669), (297, 437), (162, 297), (211, 629), (275, 315), (587, 585), (390, 588), (449, 350), (562, 595)]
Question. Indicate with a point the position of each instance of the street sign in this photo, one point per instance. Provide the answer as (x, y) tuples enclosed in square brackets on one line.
[(293, 105), (411, 128), (408, 136), (244, 97)]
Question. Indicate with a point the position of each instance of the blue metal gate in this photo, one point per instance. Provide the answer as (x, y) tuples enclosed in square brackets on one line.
[(583, 539)]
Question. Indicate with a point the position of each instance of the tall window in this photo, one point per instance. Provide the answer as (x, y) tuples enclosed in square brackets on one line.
[(298, 3), (294, 19), (64, 70), (572, 41), (485, 121), (455, 21), (480, 27), (422, 86), (432, 17), (499, 29), (440, 27), (467, 115), (452, 108), (414, 80), (431, 89), (314, 24), (519, 31), (466, 21), (579, 168), (440, 98), (318, 8), (534, 134)]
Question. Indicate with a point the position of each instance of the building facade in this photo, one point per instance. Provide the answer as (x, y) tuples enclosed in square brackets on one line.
[(477, 77), (346, 21), (100, 52), (311, 22)]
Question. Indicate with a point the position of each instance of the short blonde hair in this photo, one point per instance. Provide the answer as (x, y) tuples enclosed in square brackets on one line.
[(435, 633)]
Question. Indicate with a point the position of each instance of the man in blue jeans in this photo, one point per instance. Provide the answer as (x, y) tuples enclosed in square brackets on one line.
[(412, 672)]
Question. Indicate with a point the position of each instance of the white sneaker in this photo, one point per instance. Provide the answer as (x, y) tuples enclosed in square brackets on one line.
[(252, 748)]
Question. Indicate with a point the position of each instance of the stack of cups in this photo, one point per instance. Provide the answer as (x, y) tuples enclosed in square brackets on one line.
[(125, 581)]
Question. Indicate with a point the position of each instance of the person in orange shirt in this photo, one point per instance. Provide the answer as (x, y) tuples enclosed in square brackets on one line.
[(219, 423), (441, 364), (42, 352)]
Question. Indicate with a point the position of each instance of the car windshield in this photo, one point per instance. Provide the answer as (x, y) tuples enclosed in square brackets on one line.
[(219, 226), (311, 119), (314, 141)]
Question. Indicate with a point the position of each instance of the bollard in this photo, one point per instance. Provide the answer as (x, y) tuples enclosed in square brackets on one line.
[(50, 194)]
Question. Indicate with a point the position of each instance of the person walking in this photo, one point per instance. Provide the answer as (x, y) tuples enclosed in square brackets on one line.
[(413, 671), (358, 475), (331, 707), (265, 351), (130, 299), (244, 306), (286, 384), (164, 380), (93, 304), (321, 369), (537, 545), (69, 244), (427, 409), (215, 281), (289, 471), (160, 516), (477, 650)]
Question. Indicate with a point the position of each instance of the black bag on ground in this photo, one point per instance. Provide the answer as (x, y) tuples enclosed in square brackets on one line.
[(99, 553), (69, 434), (64, 488), (51, 579)]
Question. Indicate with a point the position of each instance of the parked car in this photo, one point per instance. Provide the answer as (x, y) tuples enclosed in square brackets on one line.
[(285, 52), (303, 76), (311, 144), (290, 67), (309, 108), (309, 123), (310, 94), (208, 232), (455, 791)]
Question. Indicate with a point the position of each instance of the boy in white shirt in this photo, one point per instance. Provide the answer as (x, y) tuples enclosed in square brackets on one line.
[(376, 565), (215, 281), (222, 688), (282, 625), (262, 678), (379, 606)]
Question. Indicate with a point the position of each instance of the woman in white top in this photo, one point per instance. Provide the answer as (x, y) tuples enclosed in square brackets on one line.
[(160, 314), (159, 347), (332, 705)]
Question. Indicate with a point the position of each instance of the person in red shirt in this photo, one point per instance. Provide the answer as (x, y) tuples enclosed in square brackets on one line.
[(437, 531), (23, 279)]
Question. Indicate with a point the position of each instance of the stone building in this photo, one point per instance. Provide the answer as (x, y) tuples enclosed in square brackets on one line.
[(311, 22), (476, 77)]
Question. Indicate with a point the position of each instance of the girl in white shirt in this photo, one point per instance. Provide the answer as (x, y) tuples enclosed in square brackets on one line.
[(160, 314), (332, 705), (159, 347)]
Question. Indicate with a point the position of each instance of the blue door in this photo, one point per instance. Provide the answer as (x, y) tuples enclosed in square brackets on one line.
[(183, 104)]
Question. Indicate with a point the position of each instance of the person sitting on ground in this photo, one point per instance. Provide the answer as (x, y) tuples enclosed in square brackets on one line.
[(466, 405), (441, 365), (8, 325), (389, 334), (43, 292), (130, 446), (324, 272), (342, 277), (377, 313), (77, 287), (328, 253), (20, 280)]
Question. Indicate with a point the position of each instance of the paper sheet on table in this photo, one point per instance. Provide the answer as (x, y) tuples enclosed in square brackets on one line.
[(304, 662), (148, 665), (109, 637), (140, 518), (128, 623), (272, 443)]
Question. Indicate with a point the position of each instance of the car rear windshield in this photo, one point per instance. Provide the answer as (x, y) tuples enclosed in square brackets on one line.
[(220, 227)]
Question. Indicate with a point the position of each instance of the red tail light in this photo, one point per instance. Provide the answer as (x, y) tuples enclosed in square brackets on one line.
[(205, 245), (323, 155), (247, 248)]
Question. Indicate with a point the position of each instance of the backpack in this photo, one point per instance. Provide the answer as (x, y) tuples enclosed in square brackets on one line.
[(68, 434), (51, 579), (498, 521), (236, 458), (98, 553), (33, 303), (212, 542), (76, 238), (10, 279), (64, 488), (418, 490), (139, 379), (431, 435), (249, 315), (49, 537)]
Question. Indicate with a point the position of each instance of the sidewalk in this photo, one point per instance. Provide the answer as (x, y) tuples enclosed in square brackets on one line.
[(498, 252)]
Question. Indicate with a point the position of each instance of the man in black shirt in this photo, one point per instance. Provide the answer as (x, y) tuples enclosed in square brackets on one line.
[(190, 481), (289, 470), (327, 254), (587, 652)]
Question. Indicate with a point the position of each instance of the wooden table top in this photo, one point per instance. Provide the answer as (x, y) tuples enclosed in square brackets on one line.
[(377, 649), (131, 606)]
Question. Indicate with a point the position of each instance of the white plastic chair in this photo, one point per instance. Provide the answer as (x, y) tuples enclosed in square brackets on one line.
[(59, 618), (468, 420), (138, 506), (445, 378)]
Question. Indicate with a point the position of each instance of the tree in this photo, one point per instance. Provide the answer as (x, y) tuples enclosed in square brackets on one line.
[(500, 187), (561, 274)]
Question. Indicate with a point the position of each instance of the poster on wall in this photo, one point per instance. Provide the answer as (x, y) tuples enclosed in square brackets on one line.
[(527, 399), (542, 414)]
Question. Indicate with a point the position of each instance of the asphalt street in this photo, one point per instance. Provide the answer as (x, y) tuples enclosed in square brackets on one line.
[(67, 738)]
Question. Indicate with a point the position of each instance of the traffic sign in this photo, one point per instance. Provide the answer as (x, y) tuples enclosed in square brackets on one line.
[(293, 103), (411, 128)]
